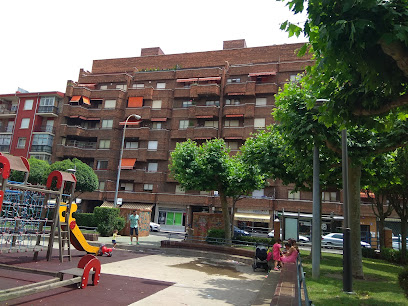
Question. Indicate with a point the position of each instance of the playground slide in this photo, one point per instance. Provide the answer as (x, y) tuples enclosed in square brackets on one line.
[(77, 239)]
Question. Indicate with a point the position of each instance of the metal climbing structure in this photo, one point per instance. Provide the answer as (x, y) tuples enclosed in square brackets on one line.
[(30, 218)]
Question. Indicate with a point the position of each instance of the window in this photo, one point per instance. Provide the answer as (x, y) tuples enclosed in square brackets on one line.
[(148, 187), (107, 124), (121, 86), (5, 140), (184, 124), (28, 104), (47, 101), (152, 167), (157, 126), (161, 85), (258, 193), (103, 87), (231, 123), (21, 143), (232, 145), (104, 144), (259, 123), (101, 186), (211, 103), (131, 145), (293, 195), (232, 101), (10, 126), (234, 80), (180, 190), (187, 103), (102, 165), (43, 140), (156, 104), (260, 101), (25, 122), (126, 186), (110, 104), (329, 196), (138, 86), (152, 145), (14, 107), (211, 123)]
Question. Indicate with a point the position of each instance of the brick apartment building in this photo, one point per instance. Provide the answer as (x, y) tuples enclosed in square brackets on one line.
[(227, 93), (27, 123)]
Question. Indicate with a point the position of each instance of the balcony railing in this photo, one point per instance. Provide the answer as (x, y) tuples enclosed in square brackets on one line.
[(4, 148), (6, 129), (46, 129), (5, 111), (81, 144), (41, 148), (45, 109)]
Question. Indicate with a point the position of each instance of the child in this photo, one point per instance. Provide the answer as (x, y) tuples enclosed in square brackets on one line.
[(115, 233), (276, 253)]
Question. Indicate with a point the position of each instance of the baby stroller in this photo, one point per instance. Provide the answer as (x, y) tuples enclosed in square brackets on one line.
[(261, 253)]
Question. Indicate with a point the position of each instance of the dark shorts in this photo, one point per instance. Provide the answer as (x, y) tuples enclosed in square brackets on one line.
[(134, 229), (113, 241)]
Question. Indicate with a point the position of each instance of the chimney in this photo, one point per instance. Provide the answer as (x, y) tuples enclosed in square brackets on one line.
[(151, 51), (234, 44)]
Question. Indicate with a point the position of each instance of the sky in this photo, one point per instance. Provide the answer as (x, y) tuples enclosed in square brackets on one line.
[(46, 42)]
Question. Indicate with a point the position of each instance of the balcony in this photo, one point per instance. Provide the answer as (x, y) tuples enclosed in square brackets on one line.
[(183, 92), (47, 111), (81, 144), (141, 176), (247, 109), (266, 88), (146, 93), (203, 111), (77, 110), (41, 148), (141, 132), (143, 154), (6, 129), (81, 91), (204, 90), (237, 132), (205, 132), (45, 129), (183, 199), (8, 113), (103, 78), (245, 89), (182, 134)]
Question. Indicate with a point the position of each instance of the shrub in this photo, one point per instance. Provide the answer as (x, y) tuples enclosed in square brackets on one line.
[(403, 280), (85, 219), (368, 253), (391, 255), (215, 236), (107, 220), (255, 240)]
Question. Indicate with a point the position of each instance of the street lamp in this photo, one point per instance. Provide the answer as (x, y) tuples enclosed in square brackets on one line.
[(137, 117)]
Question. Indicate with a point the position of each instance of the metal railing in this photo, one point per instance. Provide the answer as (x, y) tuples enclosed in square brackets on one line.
[(301, 281)]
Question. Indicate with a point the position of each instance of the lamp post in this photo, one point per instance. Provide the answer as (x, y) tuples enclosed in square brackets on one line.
[(137, 117), (347, 273)]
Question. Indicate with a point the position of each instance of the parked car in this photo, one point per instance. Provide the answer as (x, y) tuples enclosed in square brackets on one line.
[(397, 243), (154, 227), (240, 232), (336, 239), (302, 238)]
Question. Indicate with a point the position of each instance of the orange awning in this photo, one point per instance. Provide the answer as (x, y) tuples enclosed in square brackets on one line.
[(235, 115), (159, 119), (262, 73), (127, 163), (187, 80), (130, 122), (210, 79), (75, 99), (86, 100), (135, 102)]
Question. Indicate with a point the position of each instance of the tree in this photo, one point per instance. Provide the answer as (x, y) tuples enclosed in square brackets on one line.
[(210, 167), (39, 171), (87, 180), (360, 49)]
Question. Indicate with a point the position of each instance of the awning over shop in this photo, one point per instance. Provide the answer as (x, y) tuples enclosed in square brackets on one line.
[(134, 206), (255, 74), (127, 163), (135, 102), (252, 217)]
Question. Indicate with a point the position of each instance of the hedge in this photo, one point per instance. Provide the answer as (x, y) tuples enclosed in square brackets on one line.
[(107, 220), (85, 219)]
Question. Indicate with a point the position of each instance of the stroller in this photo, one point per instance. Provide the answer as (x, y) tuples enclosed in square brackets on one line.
[(261, 255)]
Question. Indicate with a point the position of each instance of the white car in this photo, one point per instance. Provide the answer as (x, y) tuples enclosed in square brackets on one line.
[(302, 238), (336, 239), (154, 227), (397, 243)]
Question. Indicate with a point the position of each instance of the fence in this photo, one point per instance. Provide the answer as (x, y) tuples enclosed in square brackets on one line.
[(301, 281)]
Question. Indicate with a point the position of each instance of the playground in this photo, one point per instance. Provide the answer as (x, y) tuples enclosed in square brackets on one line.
[(38, 266)]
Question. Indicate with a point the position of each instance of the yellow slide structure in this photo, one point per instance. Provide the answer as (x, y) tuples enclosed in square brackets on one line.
[(77, 239)]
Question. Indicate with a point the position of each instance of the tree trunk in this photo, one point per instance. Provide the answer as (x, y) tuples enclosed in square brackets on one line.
[(355, 230), (404, 240), (226, 217), (381, 238)]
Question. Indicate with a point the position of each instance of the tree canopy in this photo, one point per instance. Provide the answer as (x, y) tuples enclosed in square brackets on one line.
[(39, 171), (210, 167)]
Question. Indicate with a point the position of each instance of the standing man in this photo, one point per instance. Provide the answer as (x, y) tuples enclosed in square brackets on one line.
[(134, 226)]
